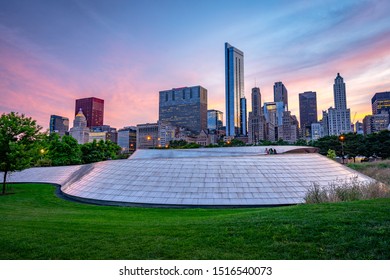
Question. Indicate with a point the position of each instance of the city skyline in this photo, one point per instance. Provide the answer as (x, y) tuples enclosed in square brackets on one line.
[(54, 52)]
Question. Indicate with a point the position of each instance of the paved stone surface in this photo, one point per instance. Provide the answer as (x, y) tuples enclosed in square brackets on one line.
[(242, 176)]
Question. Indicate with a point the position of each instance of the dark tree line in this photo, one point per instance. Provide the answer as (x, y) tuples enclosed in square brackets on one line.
[(375, 144)]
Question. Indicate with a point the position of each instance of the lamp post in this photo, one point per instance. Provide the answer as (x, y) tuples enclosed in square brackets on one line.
[(342, 139)]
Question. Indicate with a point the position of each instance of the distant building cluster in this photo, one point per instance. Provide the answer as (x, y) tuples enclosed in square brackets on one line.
[(184, 116)]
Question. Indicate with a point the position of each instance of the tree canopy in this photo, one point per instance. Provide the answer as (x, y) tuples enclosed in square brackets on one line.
[(18, 135)]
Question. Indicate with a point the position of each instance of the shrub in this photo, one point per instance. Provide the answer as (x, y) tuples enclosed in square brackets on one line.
[(346, 190)]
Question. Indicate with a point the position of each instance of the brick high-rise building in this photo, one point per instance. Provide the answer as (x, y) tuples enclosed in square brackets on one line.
[(93, 109)]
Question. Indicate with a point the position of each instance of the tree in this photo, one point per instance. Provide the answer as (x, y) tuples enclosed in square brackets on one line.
[(64, 150), (354, 145), (18, 138), (326, 143), (378, 144), (331, 154), (99, 151), (301, 142)]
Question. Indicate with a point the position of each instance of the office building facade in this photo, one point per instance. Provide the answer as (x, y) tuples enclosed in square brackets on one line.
[(59, 124), (127, 139), (375, 123), (93, 109), (307, 112), (308, 108), (234, 89), (111, 132), (184, 107), (147, 136), (214, 120), (256, 120), (280, 94), (380, 103)]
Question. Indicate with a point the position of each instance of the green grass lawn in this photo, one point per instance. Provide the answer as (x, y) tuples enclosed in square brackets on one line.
[(35, 224)]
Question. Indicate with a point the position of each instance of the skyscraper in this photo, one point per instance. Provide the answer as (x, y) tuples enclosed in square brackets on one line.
[(380, 103), (273, 114), (339, 118), (340, 99), (93, 109), (256, 121), (307, 111), (280, 94), (59, 124), (256, 101), (234, 86), (243, 117), (214, 120), (308, 108), (184, 107)]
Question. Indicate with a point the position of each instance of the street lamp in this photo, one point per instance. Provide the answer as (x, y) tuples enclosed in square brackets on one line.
[(150, 138), (342, 139), (42, 151)]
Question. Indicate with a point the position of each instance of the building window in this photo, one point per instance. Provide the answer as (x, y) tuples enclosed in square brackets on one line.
[(173, 95), (166, 97)]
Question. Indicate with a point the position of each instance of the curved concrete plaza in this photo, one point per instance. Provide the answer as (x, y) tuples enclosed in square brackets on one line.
[(215, 177)]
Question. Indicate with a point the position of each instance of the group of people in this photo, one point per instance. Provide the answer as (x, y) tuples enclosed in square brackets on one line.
[(270, 151)]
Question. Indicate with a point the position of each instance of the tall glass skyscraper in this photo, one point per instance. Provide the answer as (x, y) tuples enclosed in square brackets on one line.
[(234, 84), (307, 111)]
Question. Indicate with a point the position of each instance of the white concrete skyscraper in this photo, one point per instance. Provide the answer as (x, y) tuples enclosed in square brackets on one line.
[(340, 99), (234, 84), (339, 118)]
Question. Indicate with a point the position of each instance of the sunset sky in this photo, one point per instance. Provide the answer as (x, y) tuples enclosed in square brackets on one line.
[(125, 52)]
